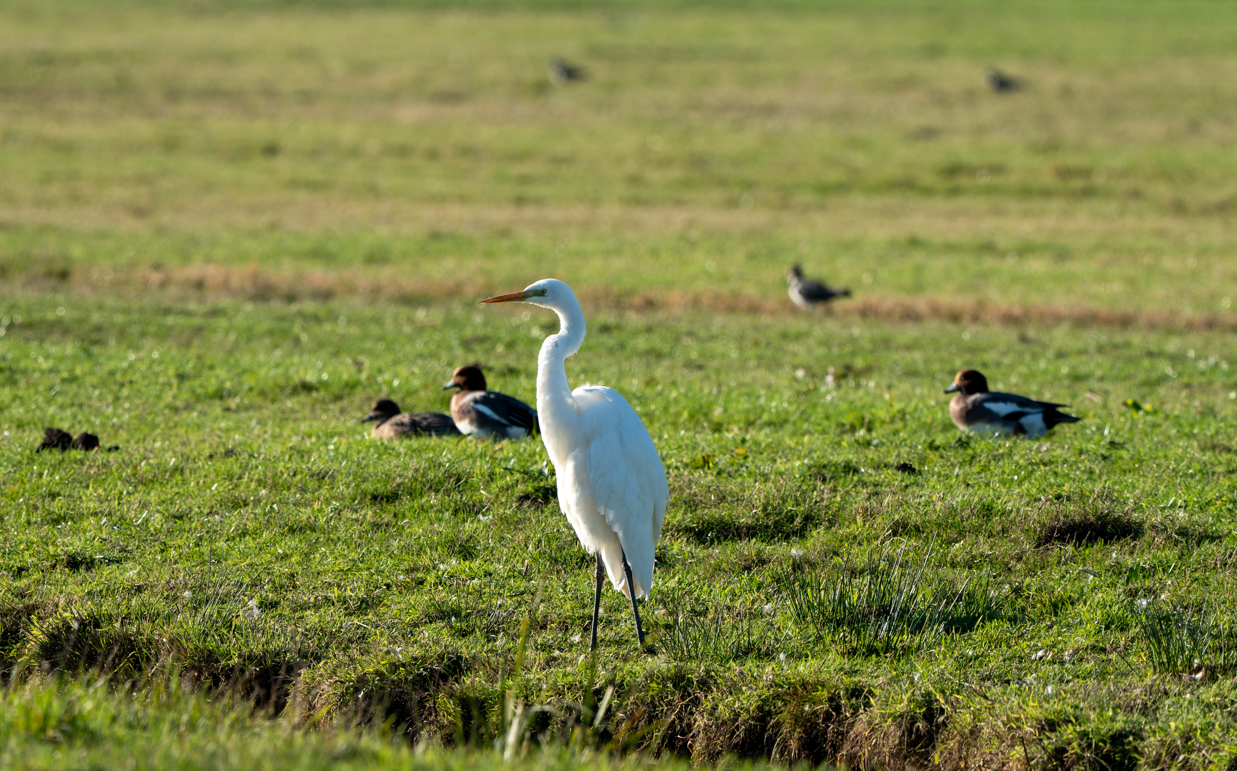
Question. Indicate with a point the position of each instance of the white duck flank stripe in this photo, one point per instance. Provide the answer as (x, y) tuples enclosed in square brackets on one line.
[(1004, 408), (489, 413)]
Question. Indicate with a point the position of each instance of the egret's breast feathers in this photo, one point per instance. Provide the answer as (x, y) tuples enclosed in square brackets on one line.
[(625, 472)]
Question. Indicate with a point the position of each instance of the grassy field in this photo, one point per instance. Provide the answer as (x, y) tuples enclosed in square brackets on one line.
[(88, 724), (225, 228)]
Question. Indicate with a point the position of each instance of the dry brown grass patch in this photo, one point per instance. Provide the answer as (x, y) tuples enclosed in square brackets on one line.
[(255, 283)]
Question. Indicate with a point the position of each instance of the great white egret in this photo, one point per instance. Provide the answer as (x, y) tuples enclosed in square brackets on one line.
[(393, 424), (981, 411), (484, 414), (806, 293), (611, 483)]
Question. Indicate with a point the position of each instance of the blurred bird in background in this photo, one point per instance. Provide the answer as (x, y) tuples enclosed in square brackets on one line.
[(393, 424), (807, 294), (999, 81), (561, 72)]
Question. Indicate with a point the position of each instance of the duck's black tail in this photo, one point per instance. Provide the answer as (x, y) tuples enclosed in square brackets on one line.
[(1054, 416)]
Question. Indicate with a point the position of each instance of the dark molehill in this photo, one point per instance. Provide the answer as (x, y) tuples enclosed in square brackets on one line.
[(833, 471), (538, 495), (86, 441), (1087, 527), (56, 439)]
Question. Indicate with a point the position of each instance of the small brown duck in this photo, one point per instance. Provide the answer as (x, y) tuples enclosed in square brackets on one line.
[(981, 411), (393, 424), (485, 414)]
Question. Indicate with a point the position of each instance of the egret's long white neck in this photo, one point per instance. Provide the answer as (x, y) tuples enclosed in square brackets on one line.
[(551, 372), (554, 401)]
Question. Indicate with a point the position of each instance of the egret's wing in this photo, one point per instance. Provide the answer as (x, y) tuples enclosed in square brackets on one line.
[(625, 476)]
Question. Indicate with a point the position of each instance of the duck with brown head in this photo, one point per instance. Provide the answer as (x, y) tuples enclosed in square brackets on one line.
[(393, 424), (976, 409), (486, 414)]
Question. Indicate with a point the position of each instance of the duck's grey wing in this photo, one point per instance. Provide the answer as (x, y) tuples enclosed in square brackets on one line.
[(1009, 406), (434, 423), (417, 424), (1023, 415), (979, 413), (496, 413)]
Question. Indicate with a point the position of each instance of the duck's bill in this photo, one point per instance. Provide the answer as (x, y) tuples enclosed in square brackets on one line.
[(514, 297), (451, 385), (369, 417), (952, 388)]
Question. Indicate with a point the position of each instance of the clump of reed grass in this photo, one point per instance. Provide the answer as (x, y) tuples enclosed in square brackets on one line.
[(1177, 639), (896, 600), (720, 635)]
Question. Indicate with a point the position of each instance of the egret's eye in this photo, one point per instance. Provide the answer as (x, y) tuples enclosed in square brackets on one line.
[(540, 292)]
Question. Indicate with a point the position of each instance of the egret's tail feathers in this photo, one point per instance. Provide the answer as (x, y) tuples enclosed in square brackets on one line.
[(626, 592), (613, 559)]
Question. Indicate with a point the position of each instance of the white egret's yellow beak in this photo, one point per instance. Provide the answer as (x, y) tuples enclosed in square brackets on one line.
[(514, 297)]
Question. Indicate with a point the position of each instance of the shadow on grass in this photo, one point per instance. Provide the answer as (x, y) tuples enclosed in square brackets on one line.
[(1097, 519)]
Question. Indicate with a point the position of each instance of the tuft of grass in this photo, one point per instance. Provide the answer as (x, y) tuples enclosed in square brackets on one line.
[(1177, 639), (886, 604), (719, 636)]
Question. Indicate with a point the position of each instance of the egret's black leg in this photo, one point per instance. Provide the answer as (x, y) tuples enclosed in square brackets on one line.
[(631, 588), (601, 573)]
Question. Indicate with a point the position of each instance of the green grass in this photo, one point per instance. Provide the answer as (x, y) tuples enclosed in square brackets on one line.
[(399, 574), (226, 228), (57, 725)]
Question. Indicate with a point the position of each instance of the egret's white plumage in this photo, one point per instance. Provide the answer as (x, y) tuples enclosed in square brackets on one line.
[(611, 482)]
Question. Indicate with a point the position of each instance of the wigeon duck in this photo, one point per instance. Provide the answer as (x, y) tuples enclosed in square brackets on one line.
[(393, 424), (485, 414), (981, 411), (806, 293)]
